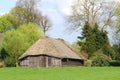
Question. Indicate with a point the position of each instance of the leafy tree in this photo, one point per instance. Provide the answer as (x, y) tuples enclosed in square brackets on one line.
[(19, 14), (94, 39), (5, 23), (116, 37), (116, 48), (16, 42), (31, 31), (87, 40), (27, 11), (86, 31)]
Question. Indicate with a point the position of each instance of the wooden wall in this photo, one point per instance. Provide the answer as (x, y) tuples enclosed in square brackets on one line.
[(55, 62), (72, 62), (40, 61), (24, 62), (48, 61)]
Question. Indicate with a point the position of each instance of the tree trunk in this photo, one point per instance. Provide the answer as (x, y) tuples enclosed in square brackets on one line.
[(16, 64), (44, 32)]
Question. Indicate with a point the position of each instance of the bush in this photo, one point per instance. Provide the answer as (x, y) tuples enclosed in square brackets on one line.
[(88, 63), (114, 63), (100, 60), (2, 64), (10, 62)]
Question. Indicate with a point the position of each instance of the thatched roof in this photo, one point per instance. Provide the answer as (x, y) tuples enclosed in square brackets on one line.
[(51, 47)]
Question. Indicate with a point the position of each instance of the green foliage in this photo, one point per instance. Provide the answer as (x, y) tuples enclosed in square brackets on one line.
[(10, 61), (76, 47), (5, 23), (116, 48), (108, 50), (86, 36), (16, 42), (114, 63), (100, 60), (93, 39), (19, 14), (25, 12), (31, 31), (88, 63), (3, 54)]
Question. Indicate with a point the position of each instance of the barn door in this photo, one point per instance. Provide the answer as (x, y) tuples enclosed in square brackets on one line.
[(49, 61)]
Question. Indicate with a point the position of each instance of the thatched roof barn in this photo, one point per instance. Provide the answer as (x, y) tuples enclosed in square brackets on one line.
[(49, 52)]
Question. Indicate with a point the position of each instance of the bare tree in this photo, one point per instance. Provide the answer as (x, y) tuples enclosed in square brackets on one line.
[(92, 11), (27, 11), (45, 24)]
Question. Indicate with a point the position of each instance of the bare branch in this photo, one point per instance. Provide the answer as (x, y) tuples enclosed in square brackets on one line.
[(92, 11), (45, 23)]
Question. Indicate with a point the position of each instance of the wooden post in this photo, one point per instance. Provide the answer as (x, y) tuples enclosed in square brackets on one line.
[(46, 61), (60, 62)]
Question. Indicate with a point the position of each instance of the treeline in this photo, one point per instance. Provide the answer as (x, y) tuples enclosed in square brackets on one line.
[(94, 17)]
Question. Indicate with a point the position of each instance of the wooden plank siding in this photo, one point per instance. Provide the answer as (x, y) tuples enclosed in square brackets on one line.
[(49, 61), (24, 62), (40, 61)]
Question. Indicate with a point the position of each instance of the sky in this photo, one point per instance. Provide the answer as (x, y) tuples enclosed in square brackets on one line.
[(56, 10)]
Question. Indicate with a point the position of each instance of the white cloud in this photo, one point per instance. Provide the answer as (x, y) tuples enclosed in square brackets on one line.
[(2, 13), (67, 7), (66, 11), (62, 6), (69, 2)]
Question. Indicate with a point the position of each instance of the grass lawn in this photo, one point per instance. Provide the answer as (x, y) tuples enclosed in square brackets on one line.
[(70, 73)]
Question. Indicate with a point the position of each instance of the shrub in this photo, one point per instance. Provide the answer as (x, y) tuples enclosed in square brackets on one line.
[(88, 63), (114, 63), (10, 62), (100, 60)]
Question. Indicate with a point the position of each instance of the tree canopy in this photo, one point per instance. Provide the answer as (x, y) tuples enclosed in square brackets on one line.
[(16, 42), (92, 11), (94, 39), (27, 11), (6, 23)]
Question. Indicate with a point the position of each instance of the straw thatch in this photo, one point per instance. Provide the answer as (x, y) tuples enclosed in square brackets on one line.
[(51, 47)]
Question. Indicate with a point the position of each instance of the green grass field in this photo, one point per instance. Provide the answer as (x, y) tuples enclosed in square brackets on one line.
[(70, 73)]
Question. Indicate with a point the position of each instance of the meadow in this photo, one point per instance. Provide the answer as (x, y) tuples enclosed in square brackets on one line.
[(66, 73)]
